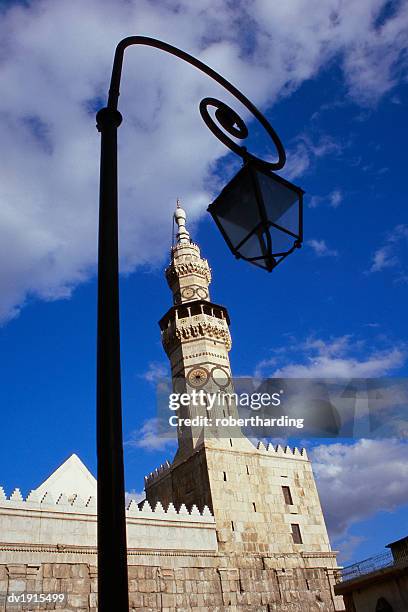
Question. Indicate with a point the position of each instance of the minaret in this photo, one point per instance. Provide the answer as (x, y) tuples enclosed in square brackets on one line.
[(196, 338)]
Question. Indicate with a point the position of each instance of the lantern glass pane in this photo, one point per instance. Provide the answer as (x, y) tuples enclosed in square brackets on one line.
[(236, 208), (252, 247), (281, 242), (281, 202)]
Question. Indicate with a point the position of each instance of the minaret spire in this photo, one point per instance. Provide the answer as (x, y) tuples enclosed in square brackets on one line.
[(188, 274), (183, 237)]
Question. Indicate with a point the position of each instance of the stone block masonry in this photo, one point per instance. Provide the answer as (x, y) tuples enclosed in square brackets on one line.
[(182, 582)]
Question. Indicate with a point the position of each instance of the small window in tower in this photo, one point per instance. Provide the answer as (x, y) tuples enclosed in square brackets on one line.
[(195, 309), (232, 526), (287, 496), (254, 506), (225, 476), (230, 442), (296, 535), (247, 470), (182, 313)]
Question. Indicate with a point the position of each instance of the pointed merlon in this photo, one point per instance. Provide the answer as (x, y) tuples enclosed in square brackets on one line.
[(183, 510), (159, 508), (206, 511), (261, 446), (16, 496), (146, 508), (171, 509), (33, 497), (3, 495), (194, 511), (133, 507)]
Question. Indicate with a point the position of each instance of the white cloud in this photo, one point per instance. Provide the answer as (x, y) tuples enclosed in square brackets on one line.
[(137, 496), (339, 357), (332, 199), (356, 481), (156, 371), (55, 60), (150, 437), (392, 254), (335, 198), (382, 259), (321, 249), (304, 153), (347, 545)]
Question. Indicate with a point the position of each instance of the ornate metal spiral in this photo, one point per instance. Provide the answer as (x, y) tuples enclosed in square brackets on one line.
[(226, 116), (235, 125)]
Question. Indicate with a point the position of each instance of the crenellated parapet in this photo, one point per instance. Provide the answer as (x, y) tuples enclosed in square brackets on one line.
[(283, 451), (144, 509), (159, 472), (44, 528), (77, 505), (44, 501)]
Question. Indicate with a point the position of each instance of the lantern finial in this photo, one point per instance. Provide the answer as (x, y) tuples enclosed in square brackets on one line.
[(183, 237)]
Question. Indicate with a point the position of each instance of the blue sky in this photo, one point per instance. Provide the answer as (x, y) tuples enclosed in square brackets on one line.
[(338, 305)]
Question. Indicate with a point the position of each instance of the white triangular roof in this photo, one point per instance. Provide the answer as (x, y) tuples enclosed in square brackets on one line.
[(71, 478)]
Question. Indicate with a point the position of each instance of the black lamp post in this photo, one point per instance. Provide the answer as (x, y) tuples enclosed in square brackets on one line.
[(250, 211)]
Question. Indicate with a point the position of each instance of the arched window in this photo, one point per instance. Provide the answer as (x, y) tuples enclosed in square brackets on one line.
[(383, 606)]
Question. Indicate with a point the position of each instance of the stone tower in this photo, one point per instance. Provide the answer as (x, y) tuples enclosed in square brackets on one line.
[(264, 499)]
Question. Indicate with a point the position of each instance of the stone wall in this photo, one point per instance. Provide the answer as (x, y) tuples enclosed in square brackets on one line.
[(182, 582)]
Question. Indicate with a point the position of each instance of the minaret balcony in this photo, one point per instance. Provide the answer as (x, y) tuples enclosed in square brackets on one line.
[(198, 319)]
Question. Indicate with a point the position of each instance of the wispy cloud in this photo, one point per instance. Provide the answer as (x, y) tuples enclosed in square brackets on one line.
[(347, 546), (321, 249), (339, 357), (133, 495), (151, 437), (392, 254), (305, 151), (155, 372), (332, 199)]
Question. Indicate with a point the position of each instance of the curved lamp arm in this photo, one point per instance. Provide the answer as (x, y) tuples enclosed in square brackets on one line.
[(225, 115)]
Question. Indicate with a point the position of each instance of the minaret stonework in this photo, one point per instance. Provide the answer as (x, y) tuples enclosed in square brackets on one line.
[(196, 338), (264, 499)]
